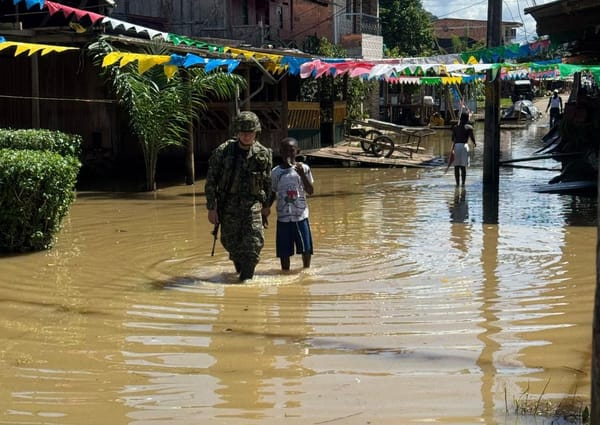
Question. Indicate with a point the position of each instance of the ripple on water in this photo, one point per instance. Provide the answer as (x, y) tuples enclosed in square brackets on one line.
[(410, 297)]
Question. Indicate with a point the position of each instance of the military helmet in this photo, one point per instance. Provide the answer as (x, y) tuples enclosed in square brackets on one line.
[(247, 121)]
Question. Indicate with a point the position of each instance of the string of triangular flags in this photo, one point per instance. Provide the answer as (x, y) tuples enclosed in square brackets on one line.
[(30, 48), (368, 70), (443, 69)]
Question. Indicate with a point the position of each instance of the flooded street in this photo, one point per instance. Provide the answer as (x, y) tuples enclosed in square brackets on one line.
[(414, 310)]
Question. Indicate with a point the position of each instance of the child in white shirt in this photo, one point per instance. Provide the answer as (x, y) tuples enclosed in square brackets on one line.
[(291, 181)]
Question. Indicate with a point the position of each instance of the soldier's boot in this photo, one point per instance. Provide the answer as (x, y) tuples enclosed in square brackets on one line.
[(246, 272), (237, 266)]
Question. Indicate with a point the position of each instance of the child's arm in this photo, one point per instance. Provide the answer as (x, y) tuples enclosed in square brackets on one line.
[(274, 180), (308, 187)]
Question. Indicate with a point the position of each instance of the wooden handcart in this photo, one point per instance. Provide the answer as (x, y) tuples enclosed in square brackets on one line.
[(382, 139)]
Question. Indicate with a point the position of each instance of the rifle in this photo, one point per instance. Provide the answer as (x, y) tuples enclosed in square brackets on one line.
[(215, 232)]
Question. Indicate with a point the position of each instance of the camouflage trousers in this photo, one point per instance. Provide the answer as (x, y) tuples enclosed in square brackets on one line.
[(242, 232)]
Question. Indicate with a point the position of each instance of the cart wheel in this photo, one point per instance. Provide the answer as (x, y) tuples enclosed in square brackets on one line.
[(371, 135), (383, 146)]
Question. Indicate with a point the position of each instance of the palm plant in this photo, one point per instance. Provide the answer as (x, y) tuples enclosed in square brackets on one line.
[(161, 109)]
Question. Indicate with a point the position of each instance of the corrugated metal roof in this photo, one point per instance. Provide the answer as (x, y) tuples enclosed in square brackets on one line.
[(567, 17)]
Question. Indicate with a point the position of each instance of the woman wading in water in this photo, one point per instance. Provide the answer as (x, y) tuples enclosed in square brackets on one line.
[(461, 133)]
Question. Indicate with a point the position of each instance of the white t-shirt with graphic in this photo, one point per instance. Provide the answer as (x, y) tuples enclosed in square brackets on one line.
[(291, 198)]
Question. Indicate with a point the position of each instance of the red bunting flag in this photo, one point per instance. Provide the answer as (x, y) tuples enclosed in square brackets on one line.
[(67, 11)]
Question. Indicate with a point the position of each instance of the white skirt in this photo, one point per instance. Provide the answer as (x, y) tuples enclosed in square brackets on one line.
[(461, 154)]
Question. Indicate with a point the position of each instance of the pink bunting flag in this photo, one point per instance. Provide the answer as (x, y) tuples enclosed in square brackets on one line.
[(318, 68), (67, 11), (307, 68), (342, 68), (353, 68), (315, 68), (322, 68), (361, 69)]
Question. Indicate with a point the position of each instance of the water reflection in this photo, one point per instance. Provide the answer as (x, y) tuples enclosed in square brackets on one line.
[(490, 323), (459, 215), (459, 208), (416, 308)]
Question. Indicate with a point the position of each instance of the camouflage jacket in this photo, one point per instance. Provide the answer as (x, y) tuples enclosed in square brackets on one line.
[(252, 181)]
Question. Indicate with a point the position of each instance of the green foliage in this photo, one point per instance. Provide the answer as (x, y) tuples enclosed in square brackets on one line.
[(571, 409), (41, 140), (459, 44), (406, 28), (36, 191), (161, 108), (358, 92), (330, 50)]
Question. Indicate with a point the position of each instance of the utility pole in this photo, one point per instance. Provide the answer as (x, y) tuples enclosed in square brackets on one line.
[(491, 146), (595, 391)]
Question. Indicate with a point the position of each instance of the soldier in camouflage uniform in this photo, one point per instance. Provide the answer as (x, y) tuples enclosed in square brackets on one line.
[(238, 191)]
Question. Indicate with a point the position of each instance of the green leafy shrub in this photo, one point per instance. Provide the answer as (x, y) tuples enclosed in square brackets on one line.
[(36, 191), (41, 140)]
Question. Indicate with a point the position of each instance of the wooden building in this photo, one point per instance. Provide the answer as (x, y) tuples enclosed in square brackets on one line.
[(574, 24), (66, 91), (58, 91), (354, 24)]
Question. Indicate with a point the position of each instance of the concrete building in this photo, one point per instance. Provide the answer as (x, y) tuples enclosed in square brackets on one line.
[(470, 32), (354, 24)]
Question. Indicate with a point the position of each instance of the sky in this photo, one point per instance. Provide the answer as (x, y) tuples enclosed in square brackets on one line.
[(512, 11)]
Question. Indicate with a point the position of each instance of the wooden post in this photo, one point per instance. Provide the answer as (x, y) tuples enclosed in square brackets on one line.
[(491, 145), (491, 151), (227, 16), (285, 112), (35, 91), (190, 175), (595, 383)]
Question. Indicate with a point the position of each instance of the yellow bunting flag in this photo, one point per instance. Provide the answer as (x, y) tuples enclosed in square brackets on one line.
[(145, 62), (31, 48), (170, 70), (110, 59), (451, 80), (257, 55)]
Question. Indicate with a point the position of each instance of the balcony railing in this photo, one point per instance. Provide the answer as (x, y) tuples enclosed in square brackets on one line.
[(358, 23)]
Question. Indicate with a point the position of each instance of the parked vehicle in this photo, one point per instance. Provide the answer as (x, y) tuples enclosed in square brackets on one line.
[(522, 90), (522, 110)]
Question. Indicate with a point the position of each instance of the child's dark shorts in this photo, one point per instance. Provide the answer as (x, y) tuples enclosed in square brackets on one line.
[(293, 233)]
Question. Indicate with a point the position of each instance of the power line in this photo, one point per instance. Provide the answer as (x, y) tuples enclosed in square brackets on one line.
[(58, 99), (461, 9), (520, 16)]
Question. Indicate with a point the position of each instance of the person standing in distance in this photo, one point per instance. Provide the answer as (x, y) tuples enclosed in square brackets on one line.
[(291, 182), (556, 107), (238, 193), (461, 134)]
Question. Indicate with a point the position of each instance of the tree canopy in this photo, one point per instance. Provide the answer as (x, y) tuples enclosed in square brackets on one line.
[(406, 28)]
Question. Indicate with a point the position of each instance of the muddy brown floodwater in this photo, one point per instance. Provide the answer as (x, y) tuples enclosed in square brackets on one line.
[(414, 311)]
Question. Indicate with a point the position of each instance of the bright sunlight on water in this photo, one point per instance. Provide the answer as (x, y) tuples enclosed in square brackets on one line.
[(416, 309)]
